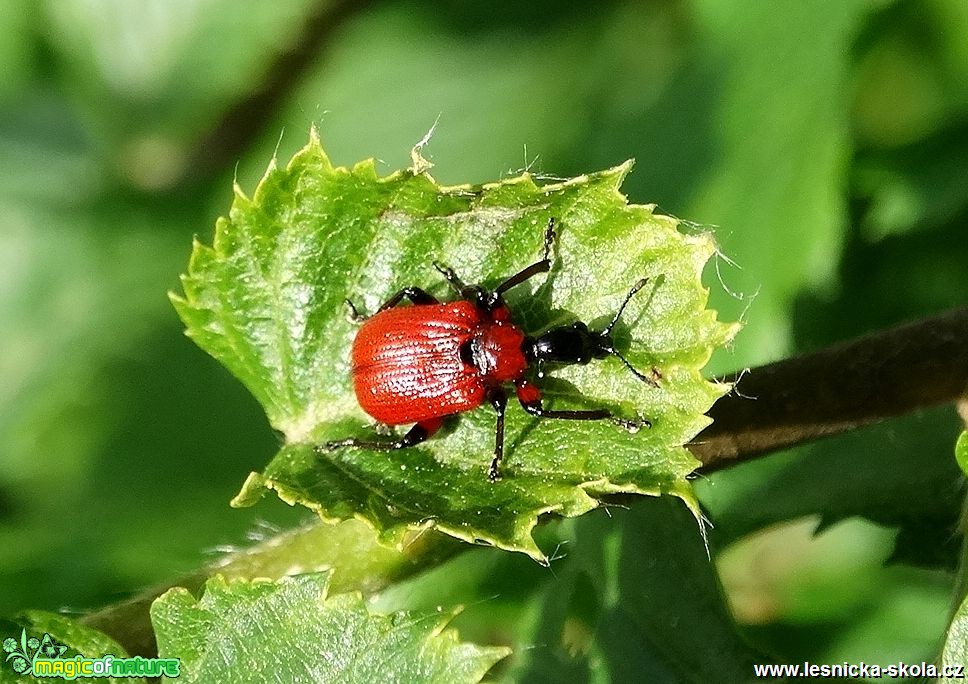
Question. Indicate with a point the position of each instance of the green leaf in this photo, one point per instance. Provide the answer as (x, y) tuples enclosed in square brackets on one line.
[(790, 236), (955, 654), (242, 631), (913, 188), (78, 638), (267, 301), (844, 477), (627, 598), (181, 78), (961, 452), (630, 602)]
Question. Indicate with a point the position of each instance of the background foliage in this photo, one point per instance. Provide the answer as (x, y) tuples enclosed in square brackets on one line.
[(827, 141)]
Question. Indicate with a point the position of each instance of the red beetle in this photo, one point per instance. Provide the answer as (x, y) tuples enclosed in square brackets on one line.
[(422, 363)]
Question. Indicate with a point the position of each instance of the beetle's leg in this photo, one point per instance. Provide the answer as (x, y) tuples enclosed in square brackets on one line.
[(530, 398), (473, 293), (499, 400), (414, 294), (354, 313), (456, 283), (420, 432), (542, 266)]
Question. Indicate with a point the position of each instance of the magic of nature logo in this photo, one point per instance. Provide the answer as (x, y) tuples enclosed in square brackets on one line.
[(45, 657)]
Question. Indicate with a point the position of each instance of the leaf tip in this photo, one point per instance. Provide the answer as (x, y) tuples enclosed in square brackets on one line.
[(313, 154), (252, 490), (238, 192), (520, 538), (181, 306), (418, 163), (366, 169), (618, 174)]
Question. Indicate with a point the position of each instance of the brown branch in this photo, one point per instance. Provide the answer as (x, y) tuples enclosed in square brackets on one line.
[(248, 118), (790, 402), (885, 374)]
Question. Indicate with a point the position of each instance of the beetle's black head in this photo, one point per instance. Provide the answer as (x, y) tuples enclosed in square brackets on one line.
[(576, 344)]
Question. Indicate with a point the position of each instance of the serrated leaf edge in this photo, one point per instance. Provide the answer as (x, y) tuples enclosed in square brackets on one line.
[(217, 586), (703, 245)]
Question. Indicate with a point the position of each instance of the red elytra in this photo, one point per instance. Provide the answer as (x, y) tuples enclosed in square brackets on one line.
[(422, 363), (407, 364)]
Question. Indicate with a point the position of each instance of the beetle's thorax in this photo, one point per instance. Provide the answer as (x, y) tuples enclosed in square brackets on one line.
[(496, 350)]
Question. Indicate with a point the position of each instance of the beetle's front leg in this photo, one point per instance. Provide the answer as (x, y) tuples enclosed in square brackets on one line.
[(541, 266), (420, 432), (451, 277)]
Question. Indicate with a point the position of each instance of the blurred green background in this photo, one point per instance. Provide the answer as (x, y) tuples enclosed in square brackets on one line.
[(827, 142)]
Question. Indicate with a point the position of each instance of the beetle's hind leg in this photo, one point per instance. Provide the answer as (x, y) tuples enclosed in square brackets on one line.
[(499, 400), (530, 398), (420, 432)]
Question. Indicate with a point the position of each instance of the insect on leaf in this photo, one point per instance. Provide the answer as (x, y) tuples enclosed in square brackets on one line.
[(267, 300)]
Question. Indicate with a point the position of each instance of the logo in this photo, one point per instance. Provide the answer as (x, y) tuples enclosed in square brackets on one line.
[(21, 656), (44, 657)]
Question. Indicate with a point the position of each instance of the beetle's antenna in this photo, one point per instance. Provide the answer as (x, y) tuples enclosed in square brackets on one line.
[(608, 328), (606, 335), (641, 376)]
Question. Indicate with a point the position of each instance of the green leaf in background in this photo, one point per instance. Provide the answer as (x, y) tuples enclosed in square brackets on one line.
[(78, 638), (244, 631), (150, 79), (790, 233), (844, 477), (751, 134), (628, 596), (631, 600), (961, 452), (837, 585), (667, 593), (267, 301)]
